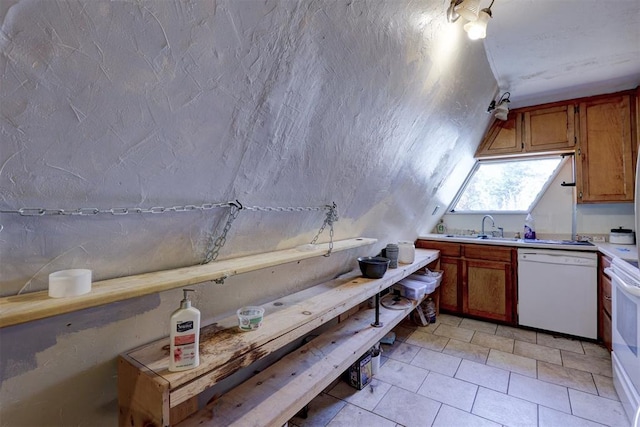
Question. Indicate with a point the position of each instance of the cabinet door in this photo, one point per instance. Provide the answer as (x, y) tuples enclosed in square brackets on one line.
[(450, 290), (488, 290), (605, 164), (549, 129), (503, 138)]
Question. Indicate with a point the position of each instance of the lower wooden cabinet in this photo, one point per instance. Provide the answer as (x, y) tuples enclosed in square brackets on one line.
[(478, 280), (604, 302)]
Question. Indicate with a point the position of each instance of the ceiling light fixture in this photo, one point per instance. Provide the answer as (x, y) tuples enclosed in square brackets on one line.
[(501, 108), (478, 19)]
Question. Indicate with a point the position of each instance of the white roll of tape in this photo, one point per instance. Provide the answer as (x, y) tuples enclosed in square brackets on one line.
[(69, 283)]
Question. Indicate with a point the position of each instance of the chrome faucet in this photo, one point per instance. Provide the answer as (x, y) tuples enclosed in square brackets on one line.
[(493, 224)]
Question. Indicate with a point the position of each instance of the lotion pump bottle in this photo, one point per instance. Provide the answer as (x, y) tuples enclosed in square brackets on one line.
[(185, 336)]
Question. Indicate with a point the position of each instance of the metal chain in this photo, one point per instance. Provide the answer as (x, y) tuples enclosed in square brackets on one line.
[(214, 249), (114, 211), (331, 217)]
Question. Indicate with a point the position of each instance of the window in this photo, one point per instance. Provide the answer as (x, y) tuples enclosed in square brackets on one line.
[(506, 185)]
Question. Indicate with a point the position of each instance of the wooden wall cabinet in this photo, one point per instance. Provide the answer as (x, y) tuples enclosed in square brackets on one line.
[(604, 302), (602, 131), (477, 280), (531, 131), (605, 161), (549, 129), (503, 138)]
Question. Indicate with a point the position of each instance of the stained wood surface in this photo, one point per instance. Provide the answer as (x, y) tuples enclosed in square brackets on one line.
[(224, 348), (273, 396), (38, 305)]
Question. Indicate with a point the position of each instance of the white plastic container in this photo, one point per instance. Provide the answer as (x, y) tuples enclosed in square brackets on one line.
[(412, 289), (250, 318), (69, 283), (184, 346), (406, 252), (430, 283)]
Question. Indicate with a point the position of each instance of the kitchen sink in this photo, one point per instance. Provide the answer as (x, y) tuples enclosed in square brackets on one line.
[(476, 237)]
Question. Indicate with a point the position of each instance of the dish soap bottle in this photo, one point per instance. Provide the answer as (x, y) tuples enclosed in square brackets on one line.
[(184, 347), (529, 228), (441, 228)]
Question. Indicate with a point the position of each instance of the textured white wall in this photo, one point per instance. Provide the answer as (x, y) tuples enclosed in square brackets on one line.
[(376, 105)]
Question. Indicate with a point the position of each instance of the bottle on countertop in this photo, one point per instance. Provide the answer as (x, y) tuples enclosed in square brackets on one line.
[(441, 228), (184, 344), (529, 227)]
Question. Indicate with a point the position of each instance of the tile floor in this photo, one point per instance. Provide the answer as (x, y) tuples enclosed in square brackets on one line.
[(463, 372)]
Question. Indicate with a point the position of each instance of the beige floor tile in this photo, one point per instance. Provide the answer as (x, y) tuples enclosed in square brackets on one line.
[(560, 343), (493, 341), (516, 333), (405, 408), (452, 417), (512, 362), (402, 375), (403, 331), (438, 362), (595, 349), (567, 377), (540, 392), (321, 410), (455, 332), (466, 350), (401, 351), (504, 409), (598, 409), (479, 325), (449, 319), (367, 398), (453, 392), (582, 362), (538, 352), (352, 415), (486, 376), (605, 387), (426, 340), (551, 418)]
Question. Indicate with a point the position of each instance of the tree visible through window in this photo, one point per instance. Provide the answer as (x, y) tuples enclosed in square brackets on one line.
[(506, 185)]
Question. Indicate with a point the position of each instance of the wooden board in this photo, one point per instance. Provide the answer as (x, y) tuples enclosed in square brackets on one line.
[(224, 348), (276, 394), (38, 305)]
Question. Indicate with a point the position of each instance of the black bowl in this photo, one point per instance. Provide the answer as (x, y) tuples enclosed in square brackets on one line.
[(373, 267)]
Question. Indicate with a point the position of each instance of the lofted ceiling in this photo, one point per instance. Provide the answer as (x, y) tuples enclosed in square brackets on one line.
[(548, 50)]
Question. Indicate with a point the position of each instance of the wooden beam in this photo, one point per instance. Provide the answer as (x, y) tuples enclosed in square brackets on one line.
[(38, 305)]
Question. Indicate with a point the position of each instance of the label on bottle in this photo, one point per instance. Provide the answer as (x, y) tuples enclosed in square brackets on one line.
[(184, 351)]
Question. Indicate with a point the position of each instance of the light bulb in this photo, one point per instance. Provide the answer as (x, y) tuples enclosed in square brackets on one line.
[(478, 28)]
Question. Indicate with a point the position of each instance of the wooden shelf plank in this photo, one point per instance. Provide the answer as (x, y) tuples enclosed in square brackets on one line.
[(224, 348), (38, 305), (276, 394)]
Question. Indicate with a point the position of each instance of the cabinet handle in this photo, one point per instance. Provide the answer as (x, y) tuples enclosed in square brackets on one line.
[(607, 298)]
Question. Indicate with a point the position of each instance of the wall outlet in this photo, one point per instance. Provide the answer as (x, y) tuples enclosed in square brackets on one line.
[(599, 239)]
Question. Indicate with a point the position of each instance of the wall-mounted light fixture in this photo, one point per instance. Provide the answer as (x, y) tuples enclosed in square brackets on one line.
[(501, 108), (470, 10)]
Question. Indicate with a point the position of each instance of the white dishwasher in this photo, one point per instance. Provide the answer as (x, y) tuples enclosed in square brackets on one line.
[(558, 291)]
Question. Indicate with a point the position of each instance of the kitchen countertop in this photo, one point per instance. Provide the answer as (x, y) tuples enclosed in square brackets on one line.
[(626, 252), (520, 243)]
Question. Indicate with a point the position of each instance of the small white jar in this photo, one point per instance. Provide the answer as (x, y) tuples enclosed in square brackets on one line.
[(406, 252)]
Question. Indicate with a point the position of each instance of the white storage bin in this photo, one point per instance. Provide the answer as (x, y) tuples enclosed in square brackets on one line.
[(412, 289), (429, 277), (431, 283)]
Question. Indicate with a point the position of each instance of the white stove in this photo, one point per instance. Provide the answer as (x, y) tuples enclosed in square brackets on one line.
[(625, 356)]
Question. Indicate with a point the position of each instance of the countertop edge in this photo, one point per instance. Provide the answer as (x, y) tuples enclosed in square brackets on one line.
[(626, 252)]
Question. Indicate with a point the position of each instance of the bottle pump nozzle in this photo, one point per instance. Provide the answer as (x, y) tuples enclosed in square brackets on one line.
[(186, 302)]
